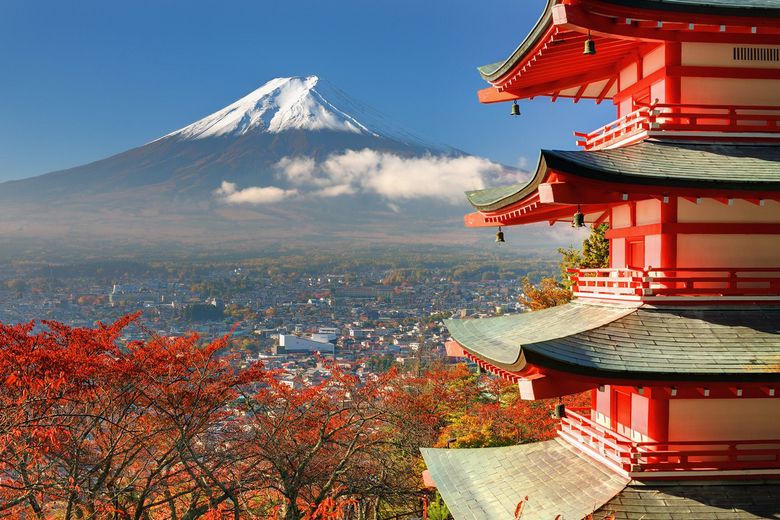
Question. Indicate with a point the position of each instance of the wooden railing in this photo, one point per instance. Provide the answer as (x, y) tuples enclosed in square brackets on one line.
[(670, 456), (609, 444), (659, 282), (687, 120), (627, 126)]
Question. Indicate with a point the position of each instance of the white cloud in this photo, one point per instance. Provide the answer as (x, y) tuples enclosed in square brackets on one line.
[(391, 176), (335, 191), (229, 193), (298, 170)]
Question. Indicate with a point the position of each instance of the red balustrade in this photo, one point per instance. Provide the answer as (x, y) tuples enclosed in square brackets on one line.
[(685, 121), (656, 283), (647, 458)]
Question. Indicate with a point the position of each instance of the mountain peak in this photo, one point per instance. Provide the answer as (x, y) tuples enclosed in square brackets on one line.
[(294, 103)]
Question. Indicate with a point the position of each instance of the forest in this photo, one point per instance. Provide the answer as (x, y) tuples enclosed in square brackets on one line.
[(174, 428)]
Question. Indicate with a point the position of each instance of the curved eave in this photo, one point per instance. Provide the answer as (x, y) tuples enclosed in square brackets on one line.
[(495, 71), (549, 61), (622, 343), (655, 164), (492, 199), (501, 340)]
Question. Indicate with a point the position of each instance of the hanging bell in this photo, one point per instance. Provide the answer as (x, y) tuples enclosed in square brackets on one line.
[(515, 109), (590, 46), (578, 220), (500, 236), (559, 412)]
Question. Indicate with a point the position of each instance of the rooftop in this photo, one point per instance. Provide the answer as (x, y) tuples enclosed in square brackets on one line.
[(547, 62), (737, 501), (490, 482), (652, 163), (631, 342)]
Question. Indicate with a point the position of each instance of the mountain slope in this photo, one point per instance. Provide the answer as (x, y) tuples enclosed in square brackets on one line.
[(297, 153), (240, 143)]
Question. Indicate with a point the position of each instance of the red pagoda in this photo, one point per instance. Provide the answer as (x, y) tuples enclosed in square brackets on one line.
[(679, 339)]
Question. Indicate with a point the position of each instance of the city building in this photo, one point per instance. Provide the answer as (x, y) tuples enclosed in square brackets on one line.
[(292, 344), (678, 340)]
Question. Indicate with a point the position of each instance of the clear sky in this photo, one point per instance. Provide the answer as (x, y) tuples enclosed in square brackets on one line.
[(85, 79)]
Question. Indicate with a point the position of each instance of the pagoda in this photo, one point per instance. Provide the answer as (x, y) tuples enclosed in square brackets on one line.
[(678, 340)]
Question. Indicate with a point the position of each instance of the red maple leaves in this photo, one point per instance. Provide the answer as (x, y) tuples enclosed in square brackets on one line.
[(94, 427)]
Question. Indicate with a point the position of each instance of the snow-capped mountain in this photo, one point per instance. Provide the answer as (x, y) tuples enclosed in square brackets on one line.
[(297, 103), (286, 117), (296, 152)]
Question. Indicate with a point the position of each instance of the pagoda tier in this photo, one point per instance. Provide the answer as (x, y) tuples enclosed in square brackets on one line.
[(581, 346), (552, 479), (677, 391), (696, 223), (644, 50), (651, 170)]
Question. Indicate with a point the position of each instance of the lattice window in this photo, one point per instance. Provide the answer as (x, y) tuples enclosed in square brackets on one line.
[(756, 54)]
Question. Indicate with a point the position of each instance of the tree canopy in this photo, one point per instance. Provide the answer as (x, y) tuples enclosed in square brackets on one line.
[(94, 427)]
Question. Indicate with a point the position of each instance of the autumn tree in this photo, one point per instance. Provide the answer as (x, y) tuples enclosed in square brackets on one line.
[(551, 292)]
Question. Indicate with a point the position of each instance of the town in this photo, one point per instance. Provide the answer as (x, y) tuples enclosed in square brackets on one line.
[(369, 317)]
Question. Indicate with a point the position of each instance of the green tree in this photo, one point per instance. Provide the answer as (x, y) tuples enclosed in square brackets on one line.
[(437, 509), (594, 254), (551, 292)]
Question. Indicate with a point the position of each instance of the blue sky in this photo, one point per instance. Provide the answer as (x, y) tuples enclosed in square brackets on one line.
[(84, 80)]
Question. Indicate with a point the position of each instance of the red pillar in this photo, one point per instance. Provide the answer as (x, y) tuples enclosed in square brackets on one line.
[(673, 58), (669, 239), (658, 415)]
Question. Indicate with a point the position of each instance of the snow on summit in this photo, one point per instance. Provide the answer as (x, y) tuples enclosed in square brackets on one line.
[(297, 103)]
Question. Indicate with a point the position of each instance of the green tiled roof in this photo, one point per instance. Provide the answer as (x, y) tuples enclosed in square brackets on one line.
[(730, 7), (501, 339), (726, 166), (496, 70), (484, 198), (488, 483), (645, 342), (739, 501)]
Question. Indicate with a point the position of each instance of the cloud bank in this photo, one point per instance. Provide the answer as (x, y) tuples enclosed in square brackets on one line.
[(229, 192), (367, 171)]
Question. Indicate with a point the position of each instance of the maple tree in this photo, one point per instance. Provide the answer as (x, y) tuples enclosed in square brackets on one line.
[(96, 427)]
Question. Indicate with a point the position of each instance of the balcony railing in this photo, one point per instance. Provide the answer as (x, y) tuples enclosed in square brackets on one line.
[(686, 121), (648, 459), (715, 283)]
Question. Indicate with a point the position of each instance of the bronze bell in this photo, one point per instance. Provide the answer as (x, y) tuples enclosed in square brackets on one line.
[(515, 109), (559, 412), (500, 236), (578, 220), (590, 46)]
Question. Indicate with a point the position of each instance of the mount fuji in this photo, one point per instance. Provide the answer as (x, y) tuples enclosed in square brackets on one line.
[(297, 153)]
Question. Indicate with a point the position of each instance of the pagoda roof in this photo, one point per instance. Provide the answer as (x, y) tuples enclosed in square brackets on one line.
[(651, 162), (726, 7), (625, 342), (548, 61), (557, 478), (738, 501)]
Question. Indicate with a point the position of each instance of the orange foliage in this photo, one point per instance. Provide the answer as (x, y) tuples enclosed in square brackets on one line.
[(96, 428)]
